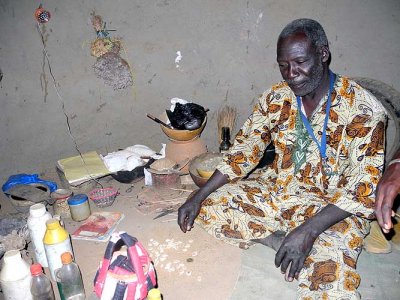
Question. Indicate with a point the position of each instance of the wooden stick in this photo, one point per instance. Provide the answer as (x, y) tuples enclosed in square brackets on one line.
[(396, 215), (181, 190), (159, 121), (169, 201), (169, 220)]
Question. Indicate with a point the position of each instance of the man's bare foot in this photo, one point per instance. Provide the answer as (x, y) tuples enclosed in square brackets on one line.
[(274, 240)]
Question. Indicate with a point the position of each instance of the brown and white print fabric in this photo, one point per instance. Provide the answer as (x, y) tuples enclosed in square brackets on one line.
[(297, 185)]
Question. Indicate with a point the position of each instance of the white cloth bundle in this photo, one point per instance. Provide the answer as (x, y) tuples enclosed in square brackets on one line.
[(129, 158)]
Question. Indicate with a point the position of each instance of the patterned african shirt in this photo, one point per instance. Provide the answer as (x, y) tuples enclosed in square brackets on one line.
[(355, 147)]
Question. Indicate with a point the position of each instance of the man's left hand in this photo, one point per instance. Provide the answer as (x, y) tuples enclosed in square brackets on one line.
[(298, 243), (294, 250)]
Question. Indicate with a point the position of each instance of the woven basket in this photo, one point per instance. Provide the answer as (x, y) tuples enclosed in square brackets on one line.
[(103, 197)]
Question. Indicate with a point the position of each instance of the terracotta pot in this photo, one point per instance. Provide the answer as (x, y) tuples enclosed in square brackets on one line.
[(178, 151)]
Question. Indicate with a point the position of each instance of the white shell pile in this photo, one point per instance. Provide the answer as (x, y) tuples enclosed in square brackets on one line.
[(160, 253)]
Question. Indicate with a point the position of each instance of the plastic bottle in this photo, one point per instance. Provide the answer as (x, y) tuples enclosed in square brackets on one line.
[(15, 277), (37, 228), (69, 279), (56, 241), (41, 288), (154, 294), (225, 143)]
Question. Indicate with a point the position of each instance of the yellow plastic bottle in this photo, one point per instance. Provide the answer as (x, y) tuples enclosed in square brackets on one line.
[(56, 241), (154, 294)]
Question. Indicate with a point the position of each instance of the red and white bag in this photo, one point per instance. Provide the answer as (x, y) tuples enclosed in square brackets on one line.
[(127, 274)]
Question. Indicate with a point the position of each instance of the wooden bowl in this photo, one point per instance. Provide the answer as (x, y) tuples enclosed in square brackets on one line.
[(197, 163), (181, 135)]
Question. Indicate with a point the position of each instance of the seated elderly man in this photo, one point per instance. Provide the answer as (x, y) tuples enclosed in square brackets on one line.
[(313, 203)]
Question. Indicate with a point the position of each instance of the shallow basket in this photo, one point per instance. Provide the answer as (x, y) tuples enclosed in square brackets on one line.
[(103, 197)]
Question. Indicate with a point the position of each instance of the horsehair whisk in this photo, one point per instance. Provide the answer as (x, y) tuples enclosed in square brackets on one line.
[(226, 117)]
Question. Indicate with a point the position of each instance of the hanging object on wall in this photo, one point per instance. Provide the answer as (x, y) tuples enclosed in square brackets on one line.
[(100, 26), (42, 15), (103, 43), (114, 70), (101, 46)]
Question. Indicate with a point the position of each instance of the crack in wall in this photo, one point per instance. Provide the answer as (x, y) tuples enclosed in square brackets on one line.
[(43, 77)]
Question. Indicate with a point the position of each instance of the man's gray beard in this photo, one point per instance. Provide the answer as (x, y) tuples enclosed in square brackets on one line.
[(314, 82)]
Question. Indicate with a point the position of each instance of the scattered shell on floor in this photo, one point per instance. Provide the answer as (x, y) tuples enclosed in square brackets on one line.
[(164, 255)]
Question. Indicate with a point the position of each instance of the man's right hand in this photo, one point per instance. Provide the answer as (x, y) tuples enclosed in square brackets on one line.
[(188, 212)]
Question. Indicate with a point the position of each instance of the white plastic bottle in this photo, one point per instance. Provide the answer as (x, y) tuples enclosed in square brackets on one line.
[(15, 277), (37, 228)]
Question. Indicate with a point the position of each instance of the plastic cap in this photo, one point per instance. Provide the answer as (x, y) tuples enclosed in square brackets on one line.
[(66, 258), (77, 199), (154, 294), (36, 269), (52, 223), (37, 210)]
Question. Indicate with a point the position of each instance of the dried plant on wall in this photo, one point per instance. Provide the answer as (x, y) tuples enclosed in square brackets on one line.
[(114, 70)]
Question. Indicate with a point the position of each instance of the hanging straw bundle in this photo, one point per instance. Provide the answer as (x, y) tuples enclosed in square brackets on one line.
[(226, 117)]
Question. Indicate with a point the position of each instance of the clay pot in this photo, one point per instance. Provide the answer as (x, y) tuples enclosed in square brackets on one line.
[(181, 150)]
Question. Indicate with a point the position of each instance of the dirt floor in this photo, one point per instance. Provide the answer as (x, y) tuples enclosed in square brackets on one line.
[(194, 263)]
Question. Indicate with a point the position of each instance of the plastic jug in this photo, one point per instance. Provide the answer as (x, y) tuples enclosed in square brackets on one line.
[(15, 277), (37, 228), (56, 241)]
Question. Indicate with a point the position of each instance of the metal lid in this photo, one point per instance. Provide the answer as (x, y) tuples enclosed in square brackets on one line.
[(77, 199)]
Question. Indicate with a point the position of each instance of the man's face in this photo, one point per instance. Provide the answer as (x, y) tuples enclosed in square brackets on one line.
[(300, 64)]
